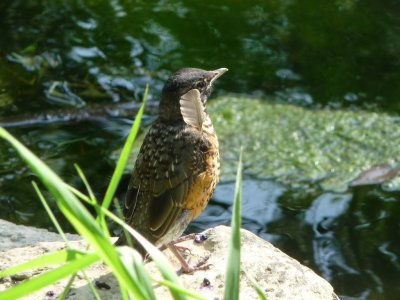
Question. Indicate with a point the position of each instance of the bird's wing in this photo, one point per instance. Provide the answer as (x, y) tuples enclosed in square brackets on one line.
[(164, 177)]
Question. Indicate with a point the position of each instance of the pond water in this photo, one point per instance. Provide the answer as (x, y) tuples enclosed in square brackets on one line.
[(59, 57)]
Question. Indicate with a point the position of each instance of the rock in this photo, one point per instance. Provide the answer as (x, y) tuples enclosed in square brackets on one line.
[(16, 236), (280, 276)]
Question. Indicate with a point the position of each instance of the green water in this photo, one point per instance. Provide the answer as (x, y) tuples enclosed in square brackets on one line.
[(343, 54)]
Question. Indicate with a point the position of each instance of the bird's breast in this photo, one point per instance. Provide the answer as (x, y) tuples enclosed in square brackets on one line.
[(205, 183)]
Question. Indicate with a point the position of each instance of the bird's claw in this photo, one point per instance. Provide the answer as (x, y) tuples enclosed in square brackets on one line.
[(200, 266)]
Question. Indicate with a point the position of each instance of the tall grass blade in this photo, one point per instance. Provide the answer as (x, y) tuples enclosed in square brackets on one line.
[(41, 281), (119, 169), (58, 257), (62, 234), (132, 258), (120, 214), (85, 181), (67, 288), (180, 289), (232, 278), (50, 213), (93, 201), (256, 286), (77, 215), (160, 260)]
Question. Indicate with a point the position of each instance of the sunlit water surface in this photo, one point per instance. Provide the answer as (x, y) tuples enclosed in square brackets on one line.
[(60, 55)]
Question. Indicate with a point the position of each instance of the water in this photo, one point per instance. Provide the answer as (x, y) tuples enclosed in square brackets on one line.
[(63, 55)]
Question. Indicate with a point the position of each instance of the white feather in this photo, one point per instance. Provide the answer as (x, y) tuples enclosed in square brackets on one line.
[(192, 109)]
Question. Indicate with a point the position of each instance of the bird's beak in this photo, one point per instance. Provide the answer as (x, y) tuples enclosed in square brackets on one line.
[(217, 73)]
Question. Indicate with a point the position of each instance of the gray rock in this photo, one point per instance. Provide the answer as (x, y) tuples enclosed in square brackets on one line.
[(280, 276), (16, 236)]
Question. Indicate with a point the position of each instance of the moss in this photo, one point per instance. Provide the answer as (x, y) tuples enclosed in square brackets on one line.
[(295, 145)]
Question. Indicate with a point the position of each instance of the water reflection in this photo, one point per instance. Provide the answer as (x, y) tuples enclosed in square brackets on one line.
[(336, 234), (260, 205), (323, 216), (309, 53), (271, 48)]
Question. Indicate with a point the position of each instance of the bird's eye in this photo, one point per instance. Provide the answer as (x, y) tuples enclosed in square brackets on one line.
[(200, 84)]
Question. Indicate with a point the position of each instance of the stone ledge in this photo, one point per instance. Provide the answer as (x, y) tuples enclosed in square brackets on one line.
[(280, 276)]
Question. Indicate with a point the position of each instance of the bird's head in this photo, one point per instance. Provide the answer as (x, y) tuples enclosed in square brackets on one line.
[(181, 82)]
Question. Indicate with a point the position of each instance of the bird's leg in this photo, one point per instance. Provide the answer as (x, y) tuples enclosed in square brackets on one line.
[(180, 248), (183, 249), (197, 237), (180, 240), (185, 238), (186, 268)]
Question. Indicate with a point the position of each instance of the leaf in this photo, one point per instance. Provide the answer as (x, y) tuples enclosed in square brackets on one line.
[(192, 109), (46, 260), (256, 286), (119, 169), (43, 280), (160, 260), (77, 215), (232, 281), (376, 175)]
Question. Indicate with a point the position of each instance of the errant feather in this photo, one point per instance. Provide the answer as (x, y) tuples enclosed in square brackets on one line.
[(192, 109)]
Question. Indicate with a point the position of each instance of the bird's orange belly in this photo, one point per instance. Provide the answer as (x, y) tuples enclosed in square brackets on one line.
[(204, 185)]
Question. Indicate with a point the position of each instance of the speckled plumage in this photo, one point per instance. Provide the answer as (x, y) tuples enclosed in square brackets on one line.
[(177, 168)]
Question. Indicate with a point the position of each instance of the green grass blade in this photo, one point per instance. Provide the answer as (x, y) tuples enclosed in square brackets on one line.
[(92, 200), (120, 214), (137, 271), (124, 294), (119, 169), (159, 259), (46, 260), (81, 196), (132, 258), (163, 264), (256, 286), (91, 286), (62, 234), (76, 214), (50, 213), (85, 181), (67, 288), (179, 289), (41, 281), (232, 278)]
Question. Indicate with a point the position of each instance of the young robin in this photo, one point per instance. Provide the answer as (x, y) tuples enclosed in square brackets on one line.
[(177, 168)]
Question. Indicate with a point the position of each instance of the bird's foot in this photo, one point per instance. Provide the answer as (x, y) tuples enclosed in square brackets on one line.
[(183, 249), (197, 237), (180, 240), (184, 238), (200, 266), (186, 268)]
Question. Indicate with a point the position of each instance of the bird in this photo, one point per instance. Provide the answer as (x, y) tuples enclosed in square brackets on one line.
[(178, 165)]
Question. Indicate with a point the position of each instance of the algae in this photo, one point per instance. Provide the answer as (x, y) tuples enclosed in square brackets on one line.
[(299, 146)]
